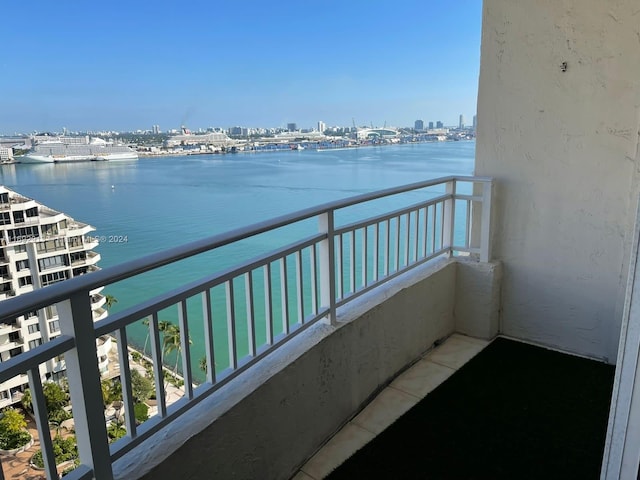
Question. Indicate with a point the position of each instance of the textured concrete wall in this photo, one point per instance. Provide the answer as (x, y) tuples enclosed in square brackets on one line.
[(558, 121), (266, 423), (477, 307)]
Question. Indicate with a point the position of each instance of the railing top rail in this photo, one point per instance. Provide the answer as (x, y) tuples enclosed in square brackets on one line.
[(63, 290)]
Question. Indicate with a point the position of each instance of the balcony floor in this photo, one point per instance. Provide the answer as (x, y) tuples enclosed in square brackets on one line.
[(516, 411)]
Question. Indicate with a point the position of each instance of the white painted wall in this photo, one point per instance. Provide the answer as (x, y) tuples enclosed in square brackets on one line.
[(563, 147)]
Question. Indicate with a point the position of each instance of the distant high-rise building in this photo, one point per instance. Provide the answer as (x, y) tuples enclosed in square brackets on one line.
[(461, 122), (156, 129), (439, 124), (321, 126), (292, 127), (419, 125), (430, 125), (475, 122)]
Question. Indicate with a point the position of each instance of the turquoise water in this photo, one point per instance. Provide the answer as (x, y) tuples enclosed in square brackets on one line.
[(153, 204)]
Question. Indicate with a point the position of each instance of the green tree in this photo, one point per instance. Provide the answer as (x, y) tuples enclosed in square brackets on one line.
[(26, 400), (171, 342), (111, 390), (55, 396), (141, 386), (115, 431), (13, 433), (111, 301), (12, 421), (203, 364), (141, 412)]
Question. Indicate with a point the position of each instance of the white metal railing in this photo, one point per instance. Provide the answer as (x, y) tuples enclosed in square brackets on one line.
[(264, 302)]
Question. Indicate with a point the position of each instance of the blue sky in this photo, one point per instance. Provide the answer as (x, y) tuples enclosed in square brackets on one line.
[(128, 65)]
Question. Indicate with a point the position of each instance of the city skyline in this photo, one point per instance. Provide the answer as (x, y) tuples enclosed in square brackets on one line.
[(127, 68)]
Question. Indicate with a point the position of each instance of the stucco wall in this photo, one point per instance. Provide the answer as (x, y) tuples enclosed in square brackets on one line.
[(563, 147), (266, 423)]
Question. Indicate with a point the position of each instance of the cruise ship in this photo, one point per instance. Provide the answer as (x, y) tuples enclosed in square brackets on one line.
[(75, 149)]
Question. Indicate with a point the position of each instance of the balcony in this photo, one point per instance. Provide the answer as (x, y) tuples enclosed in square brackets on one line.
[(376, 291)]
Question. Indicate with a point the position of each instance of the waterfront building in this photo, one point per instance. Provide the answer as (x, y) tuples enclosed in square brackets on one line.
[(6, 154), (186, 137), (292, 127), (439, 124), (322, 126), (475, 122), (40, 247), (461, 122), (430, 125), (418, 125)]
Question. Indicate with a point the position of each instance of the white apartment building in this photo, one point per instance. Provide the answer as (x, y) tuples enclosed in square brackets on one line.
[(39, 247)]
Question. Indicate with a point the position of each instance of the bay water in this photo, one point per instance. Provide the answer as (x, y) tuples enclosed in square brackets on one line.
[(146, 206)]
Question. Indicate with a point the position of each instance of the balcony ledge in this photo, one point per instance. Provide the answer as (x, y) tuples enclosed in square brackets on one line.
[(313, 385)]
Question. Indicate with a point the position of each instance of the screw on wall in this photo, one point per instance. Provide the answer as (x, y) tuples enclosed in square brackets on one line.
[(563, 66)]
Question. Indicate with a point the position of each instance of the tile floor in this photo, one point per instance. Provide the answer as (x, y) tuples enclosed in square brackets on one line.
[(402, 394)]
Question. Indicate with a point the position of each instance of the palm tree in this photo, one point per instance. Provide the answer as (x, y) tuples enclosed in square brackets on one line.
[(111, 301), (171, 341), (203, 364), (145, 322), (163, 325)]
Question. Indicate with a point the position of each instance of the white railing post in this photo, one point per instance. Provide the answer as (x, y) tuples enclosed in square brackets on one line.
[(76, 320), (448, 214), (327, 265), (485, 229)]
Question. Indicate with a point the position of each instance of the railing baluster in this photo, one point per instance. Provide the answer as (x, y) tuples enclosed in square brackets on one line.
[(76, 320), (387, 251), (158, 372), (341, 266), (397, 244), (284, 294), (313, 281), (416, 230), (467, 229), (39, 405), (183, 321), (231, 324), (209, 351), (376, 253), (433, 228), (352, 260), (448, 216), (268, 304), (327, 264), (407, 239), (365, 256), (300, 287), (125, 381), (251, 331)]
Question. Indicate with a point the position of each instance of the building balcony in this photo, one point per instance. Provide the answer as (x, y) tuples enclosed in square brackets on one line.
[(340, 315), (99, 314), (78, 228), (435, 244), (98, 300), (91, 258), (6, 328)]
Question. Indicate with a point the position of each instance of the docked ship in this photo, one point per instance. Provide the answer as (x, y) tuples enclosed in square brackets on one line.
[(75, 149)]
